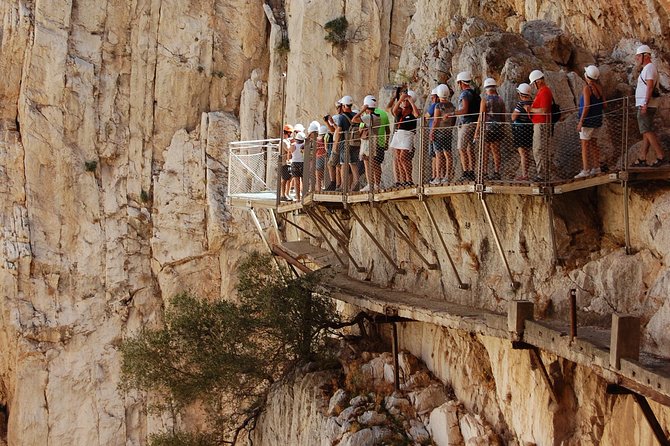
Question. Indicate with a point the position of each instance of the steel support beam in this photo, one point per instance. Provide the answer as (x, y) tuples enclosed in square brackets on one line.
[(513, 284), (278, 251), (535, 357), (297, 226), (626, 218), (431, 266), (431, 217), (323, 234), (615, 389), (552, 234), (344, 243), (374, 240)]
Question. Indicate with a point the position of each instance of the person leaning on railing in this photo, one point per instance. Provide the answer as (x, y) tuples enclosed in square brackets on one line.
[(541, 117), (429, 114), (522, 128), (441, 135), (492, 112), (646, 101), (468, 107), (591, 105)]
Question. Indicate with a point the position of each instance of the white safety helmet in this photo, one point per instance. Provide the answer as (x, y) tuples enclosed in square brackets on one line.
[(434, 92), (298, 128), (346, 100), (313, 127), (411, 94), (490, 83), (592, 72), (442, 91), (464, 76), (300, 136), (524, 88), (643, 49), (323, 130), (535, 75), (370, 101)]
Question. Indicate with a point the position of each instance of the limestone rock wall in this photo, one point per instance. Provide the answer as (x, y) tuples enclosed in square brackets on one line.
[(114, 121)]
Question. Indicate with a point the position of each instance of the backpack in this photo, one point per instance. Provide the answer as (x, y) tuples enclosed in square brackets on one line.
[(475, 103), (555, 114)]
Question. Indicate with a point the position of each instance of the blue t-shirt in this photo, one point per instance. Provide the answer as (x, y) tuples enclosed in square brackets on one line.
[(431, 112), (470, 116)]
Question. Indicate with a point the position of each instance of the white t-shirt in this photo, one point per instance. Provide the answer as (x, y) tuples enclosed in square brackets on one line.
[(648, 72), (297, 153)]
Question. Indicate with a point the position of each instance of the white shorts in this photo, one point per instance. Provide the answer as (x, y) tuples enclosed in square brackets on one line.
[(402, 140), (587, 133), (365, 148)]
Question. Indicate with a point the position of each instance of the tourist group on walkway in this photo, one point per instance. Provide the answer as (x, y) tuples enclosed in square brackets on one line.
[(350, 145)]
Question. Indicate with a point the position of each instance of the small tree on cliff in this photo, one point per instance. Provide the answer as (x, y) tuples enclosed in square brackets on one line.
[(227, 355)]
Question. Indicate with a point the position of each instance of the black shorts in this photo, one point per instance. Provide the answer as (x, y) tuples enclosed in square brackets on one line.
[(286, 172), (296, 170)]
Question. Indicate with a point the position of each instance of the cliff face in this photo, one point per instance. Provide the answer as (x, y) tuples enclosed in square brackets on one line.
[(115, 117)]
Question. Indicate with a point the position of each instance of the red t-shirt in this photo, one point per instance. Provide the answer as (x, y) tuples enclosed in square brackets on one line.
[(543, 100)]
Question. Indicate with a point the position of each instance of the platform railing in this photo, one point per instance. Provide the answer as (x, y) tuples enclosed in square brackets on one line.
[(503, 153), (252, 166)]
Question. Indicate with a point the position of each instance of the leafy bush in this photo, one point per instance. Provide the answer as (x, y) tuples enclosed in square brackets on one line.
[(227, 355), (336, 31)]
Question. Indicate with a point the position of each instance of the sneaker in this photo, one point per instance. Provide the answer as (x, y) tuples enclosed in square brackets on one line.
[(538, 179), (378, 187), (583, 174), (595, 171), (435, 181), (471, 175), (658, 163), (284, 198), (604, 167), (521, 178), (445, 180), (639, 163), (330, 187), (366, 188)]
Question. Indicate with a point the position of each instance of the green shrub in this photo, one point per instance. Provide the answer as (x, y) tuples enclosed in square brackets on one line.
[(336, 31)]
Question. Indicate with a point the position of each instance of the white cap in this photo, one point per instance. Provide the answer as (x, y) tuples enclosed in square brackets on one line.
[(442, 91), (300, 136), (298, 128), (592, 72), (323, 130), (370, 101), (535, 75), (642, 49), (490, 83), (346, 100), (524, 89), (411, 94), (313, 127), (464, 76)]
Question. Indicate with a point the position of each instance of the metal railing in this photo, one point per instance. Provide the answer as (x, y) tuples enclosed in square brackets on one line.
[(252, 166), (494, 151)]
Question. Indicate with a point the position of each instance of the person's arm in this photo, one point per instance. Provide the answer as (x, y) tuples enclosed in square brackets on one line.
[(648, 92), (415, 109), (329, 123), (586, 92), (482, 113), (465, 103), (437, 120), (357, 117), (396, 105)]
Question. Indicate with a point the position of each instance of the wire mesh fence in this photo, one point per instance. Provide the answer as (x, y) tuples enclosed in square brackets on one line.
[(494, 149), (252, 166)]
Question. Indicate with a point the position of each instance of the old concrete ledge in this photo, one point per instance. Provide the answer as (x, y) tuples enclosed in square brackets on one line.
[(650, 376)]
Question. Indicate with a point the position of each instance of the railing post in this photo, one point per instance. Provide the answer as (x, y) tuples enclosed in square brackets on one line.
[(420, 128), (573, 314)]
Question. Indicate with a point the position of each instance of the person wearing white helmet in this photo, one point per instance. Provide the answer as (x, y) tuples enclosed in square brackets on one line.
[(441, 134), (467, 112), (344, 147), (491, 115), (646, 101), (406, 116), (320, 156), (541, 116), (372, 152), (522, 128), (590, 119), (429, 115), (332, 157), (297, 162), (309, 180)]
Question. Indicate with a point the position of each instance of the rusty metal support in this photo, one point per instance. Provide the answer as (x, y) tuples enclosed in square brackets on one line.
[(615, 389), (295, 225), (431, 217), (626, 218), (340, 236), (535, 356), (431, 266), (337, 222), (278, 251), (396, 371), (374, 240), (323, 234), (513, 284), (573, 314), (343, 242), (552, 234)]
